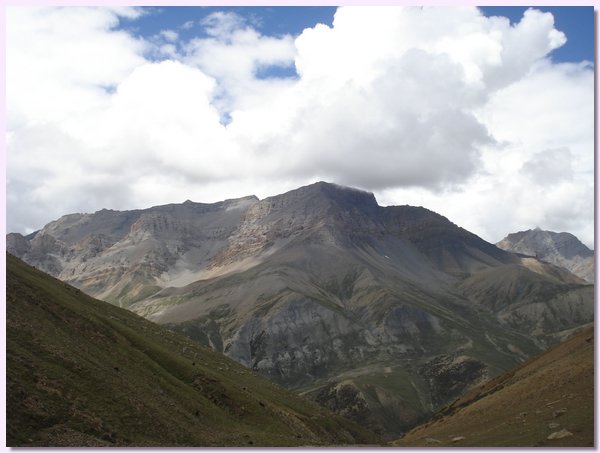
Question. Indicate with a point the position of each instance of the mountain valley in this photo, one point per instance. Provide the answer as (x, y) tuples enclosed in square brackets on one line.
[(382, 314), (83, 373)]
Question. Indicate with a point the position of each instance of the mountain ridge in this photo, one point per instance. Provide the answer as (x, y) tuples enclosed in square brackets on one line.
[(324, 291)]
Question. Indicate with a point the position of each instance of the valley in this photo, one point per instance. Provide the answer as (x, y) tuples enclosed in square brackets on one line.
[(381, 314), (83, 373)]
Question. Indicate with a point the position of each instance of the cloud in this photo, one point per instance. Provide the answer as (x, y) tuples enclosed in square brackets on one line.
[(59, 60), (233, 54), (400, 128), (222, 24), (169, 35), (549, 167), (386, 97), (442, 107), (539, 171)]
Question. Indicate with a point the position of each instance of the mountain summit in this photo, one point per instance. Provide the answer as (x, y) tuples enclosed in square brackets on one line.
[(561, 249), (382, 314)]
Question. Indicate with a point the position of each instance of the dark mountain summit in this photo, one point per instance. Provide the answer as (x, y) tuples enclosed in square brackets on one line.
[(392, 311)]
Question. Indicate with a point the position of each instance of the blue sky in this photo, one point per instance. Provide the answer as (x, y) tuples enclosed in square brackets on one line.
[(577, 22), (487, 122), (273, 20), (269, 21)]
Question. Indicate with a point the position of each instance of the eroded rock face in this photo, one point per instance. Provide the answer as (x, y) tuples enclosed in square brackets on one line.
[(561, 249), (322, 286), (17, 244)]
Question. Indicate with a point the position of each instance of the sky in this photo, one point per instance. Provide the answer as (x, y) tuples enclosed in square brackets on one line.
[(485, 116)]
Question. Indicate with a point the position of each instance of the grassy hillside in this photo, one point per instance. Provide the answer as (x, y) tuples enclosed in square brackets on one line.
[(81, 372), (547, 394)]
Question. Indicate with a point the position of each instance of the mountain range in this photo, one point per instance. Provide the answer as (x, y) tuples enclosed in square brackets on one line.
[(81, 372), (382, 314)]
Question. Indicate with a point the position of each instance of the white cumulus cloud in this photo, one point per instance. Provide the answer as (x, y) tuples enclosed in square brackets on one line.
[(436, 106)]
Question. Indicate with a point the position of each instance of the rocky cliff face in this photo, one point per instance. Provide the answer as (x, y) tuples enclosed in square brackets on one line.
[(394, 309), (561, 249)]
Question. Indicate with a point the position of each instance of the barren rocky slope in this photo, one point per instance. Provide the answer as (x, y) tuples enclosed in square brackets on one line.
[(381, 313), (561, 249)]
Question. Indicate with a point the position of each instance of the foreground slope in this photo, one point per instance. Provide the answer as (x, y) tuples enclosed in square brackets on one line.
[(383, 314), (81, 372), (548, 401)]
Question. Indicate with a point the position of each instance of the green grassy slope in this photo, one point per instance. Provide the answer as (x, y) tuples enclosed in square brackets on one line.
[(547, 394), (81, 372)]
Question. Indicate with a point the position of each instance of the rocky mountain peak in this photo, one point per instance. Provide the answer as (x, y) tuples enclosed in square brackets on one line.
[(322, 194), (544, 243), (319, 203), (562, 249), (348, 196)]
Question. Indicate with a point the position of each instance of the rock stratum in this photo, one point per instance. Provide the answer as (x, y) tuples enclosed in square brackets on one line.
[(383, 314)]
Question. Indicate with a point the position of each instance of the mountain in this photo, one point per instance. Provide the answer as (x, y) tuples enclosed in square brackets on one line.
[(546, 402), (561, 249), (383, 314), (81, 372)]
